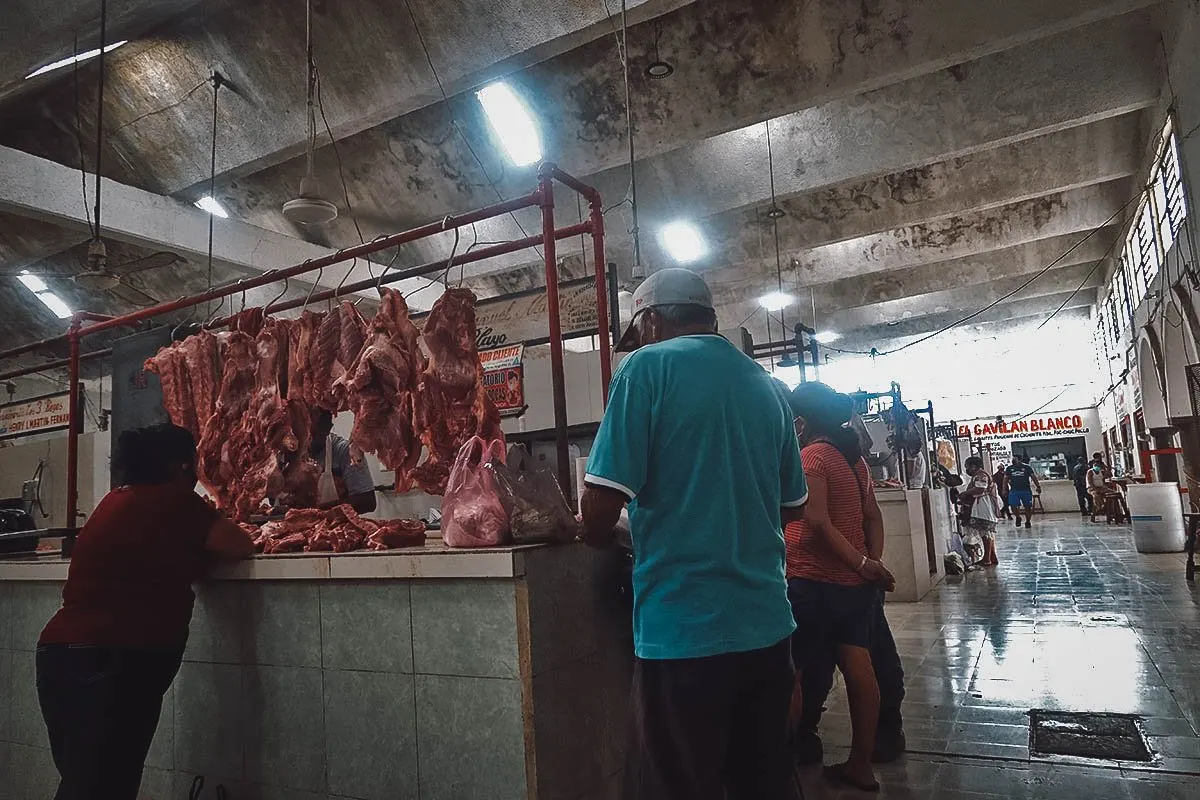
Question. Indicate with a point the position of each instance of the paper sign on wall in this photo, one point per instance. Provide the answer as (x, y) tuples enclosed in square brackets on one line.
[(37, 415), (504, 378)]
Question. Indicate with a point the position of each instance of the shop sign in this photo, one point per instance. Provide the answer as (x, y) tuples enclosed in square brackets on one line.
[(37, 415), (504, 378), (524, 317), (1029, 428)]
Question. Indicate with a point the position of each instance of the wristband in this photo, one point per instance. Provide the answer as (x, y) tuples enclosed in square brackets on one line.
[(863, 564)]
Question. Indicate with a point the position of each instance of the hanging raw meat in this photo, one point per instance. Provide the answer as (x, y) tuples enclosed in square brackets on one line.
[(339, 340), (379, 386), (270, 437), (300, 357), (219, 454), (170, 365), (450, 405)]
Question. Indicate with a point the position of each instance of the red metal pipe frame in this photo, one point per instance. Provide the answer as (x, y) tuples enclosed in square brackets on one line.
[(543, 197), (65, 362)]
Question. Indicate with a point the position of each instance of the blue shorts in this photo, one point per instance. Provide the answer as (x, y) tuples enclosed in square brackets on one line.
[(1018, 498), (828, 615)]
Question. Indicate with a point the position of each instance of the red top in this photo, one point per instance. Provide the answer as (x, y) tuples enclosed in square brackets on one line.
[(130, 580), (807, 555)]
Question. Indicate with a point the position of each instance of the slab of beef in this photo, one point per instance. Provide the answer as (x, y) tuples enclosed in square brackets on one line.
[(248, 321), (450, 405), (220, 454), (190, 372), (335, 530), (395, 533), (170, 365), (300, 383), (339, 340), (265, 434), (378, 388)]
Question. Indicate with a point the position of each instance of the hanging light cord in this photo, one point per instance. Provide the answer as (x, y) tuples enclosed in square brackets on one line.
[(100, 109), (633, 203), (212, 173), (775, 225)]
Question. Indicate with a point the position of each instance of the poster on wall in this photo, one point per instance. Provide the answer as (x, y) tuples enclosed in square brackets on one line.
[(36, 415), (524, 317), (504, 378), (1029, 428)]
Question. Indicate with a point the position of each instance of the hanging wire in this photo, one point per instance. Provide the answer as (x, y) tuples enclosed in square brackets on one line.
[(775, 214), (212, 173), (100, 111), (87, 211)]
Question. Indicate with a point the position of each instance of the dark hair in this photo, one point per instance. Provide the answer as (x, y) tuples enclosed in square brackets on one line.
[(151, 455), (686, 315), (973, 461), (826, 412)]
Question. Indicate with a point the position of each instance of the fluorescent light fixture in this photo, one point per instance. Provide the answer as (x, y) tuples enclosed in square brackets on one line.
[(827, 337), (207, 203), (32, 282), (512, 122), (682, 241), (42, 292), (776, 301), (79, 59), (53, 302)]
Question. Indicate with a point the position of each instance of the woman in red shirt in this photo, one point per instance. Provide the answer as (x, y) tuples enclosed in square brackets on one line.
[(107, 657), (833, 567)]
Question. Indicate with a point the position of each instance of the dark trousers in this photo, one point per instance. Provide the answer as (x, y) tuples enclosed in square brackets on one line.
[(712, 728), (817, 680), (1085, 499), (101, 707)]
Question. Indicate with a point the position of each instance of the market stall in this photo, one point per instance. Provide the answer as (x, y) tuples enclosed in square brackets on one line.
[(344, 625), (917, 514), (1052, 443)]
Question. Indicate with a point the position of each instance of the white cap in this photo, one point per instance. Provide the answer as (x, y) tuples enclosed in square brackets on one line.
[(667, 287)]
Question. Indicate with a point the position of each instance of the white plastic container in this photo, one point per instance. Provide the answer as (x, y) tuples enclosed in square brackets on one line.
[(1157, 516)]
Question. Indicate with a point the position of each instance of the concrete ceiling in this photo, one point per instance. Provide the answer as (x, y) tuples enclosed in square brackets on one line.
[(930, 155)]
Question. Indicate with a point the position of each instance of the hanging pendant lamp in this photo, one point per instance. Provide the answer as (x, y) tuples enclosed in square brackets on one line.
[(310, 207)]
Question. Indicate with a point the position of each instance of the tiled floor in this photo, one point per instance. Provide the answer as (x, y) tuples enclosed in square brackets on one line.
[(1109, 630)]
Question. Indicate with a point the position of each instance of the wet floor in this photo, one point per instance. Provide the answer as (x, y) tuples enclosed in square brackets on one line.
[(1109, 630)]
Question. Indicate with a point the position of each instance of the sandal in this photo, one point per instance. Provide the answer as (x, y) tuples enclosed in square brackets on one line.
[(837, 773)]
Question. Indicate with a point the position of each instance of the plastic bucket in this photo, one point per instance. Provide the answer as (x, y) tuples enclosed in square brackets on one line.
[(1157, 515)]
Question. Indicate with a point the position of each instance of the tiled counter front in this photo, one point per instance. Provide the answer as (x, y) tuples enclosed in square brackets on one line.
[(423, 688)]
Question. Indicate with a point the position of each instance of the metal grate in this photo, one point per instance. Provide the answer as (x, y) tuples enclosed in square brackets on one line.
[(1064, 552), (1113, 737)]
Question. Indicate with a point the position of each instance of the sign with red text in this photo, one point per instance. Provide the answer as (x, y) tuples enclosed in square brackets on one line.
[(504, 378), (37, 415), (1036, 427)]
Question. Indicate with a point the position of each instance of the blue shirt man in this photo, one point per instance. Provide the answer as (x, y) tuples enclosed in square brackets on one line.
[(698, 440)]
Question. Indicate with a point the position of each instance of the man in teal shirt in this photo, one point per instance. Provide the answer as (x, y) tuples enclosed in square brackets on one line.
[(698, 440)]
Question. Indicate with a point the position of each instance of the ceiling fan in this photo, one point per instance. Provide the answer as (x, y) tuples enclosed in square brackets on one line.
[(96, 275)]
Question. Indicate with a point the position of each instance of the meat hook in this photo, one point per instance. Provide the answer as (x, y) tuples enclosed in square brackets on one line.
[(312, 288), (282, 292)]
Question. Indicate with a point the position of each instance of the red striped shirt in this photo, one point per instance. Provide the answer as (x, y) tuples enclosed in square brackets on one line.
[(807, 555)]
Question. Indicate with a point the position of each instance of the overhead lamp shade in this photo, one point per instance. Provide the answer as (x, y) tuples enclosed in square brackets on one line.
[(309, 208)]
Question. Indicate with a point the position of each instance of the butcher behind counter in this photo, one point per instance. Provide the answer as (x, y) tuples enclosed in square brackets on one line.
[(353, 481)]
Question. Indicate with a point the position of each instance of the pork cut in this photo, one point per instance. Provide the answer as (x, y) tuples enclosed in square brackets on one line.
[(450, 405), (339, 340), (170, 365), (336, 530), (220, 454), (378, 388)]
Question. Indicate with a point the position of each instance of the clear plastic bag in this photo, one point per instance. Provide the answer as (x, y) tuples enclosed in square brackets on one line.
[(537, 510), (472, 514)]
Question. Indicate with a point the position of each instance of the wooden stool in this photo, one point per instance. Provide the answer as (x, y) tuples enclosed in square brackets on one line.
[(1113, 509), (1037, 504)]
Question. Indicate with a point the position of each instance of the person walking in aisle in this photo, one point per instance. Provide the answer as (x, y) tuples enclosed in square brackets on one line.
[(1079, 475), (1002, 491), (107, 657), (834, 572), (697, 439), (984, 516), (1022, 481)]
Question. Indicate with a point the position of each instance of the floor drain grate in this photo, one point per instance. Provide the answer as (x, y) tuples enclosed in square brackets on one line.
[(1064, 552), (1114, 737)]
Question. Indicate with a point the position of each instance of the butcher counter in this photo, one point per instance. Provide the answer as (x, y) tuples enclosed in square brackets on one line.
[(431, 673)]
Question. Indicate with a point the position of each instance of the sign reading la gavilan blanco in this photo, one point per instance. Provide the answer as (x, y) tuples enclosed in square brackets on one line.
[(1037, 427), (36, 415)]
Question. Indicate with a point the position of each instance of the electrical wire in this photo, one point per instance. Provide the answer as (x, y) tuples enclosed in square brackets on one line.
[(1009, 294), (174, 104), (212, 176), (100, 111), (454, 122), (1045, 404), (87, 211)]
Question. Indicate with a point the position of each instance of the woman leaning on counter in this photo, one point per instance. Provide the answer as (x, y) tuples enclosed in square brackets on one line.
[(107, 657)]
